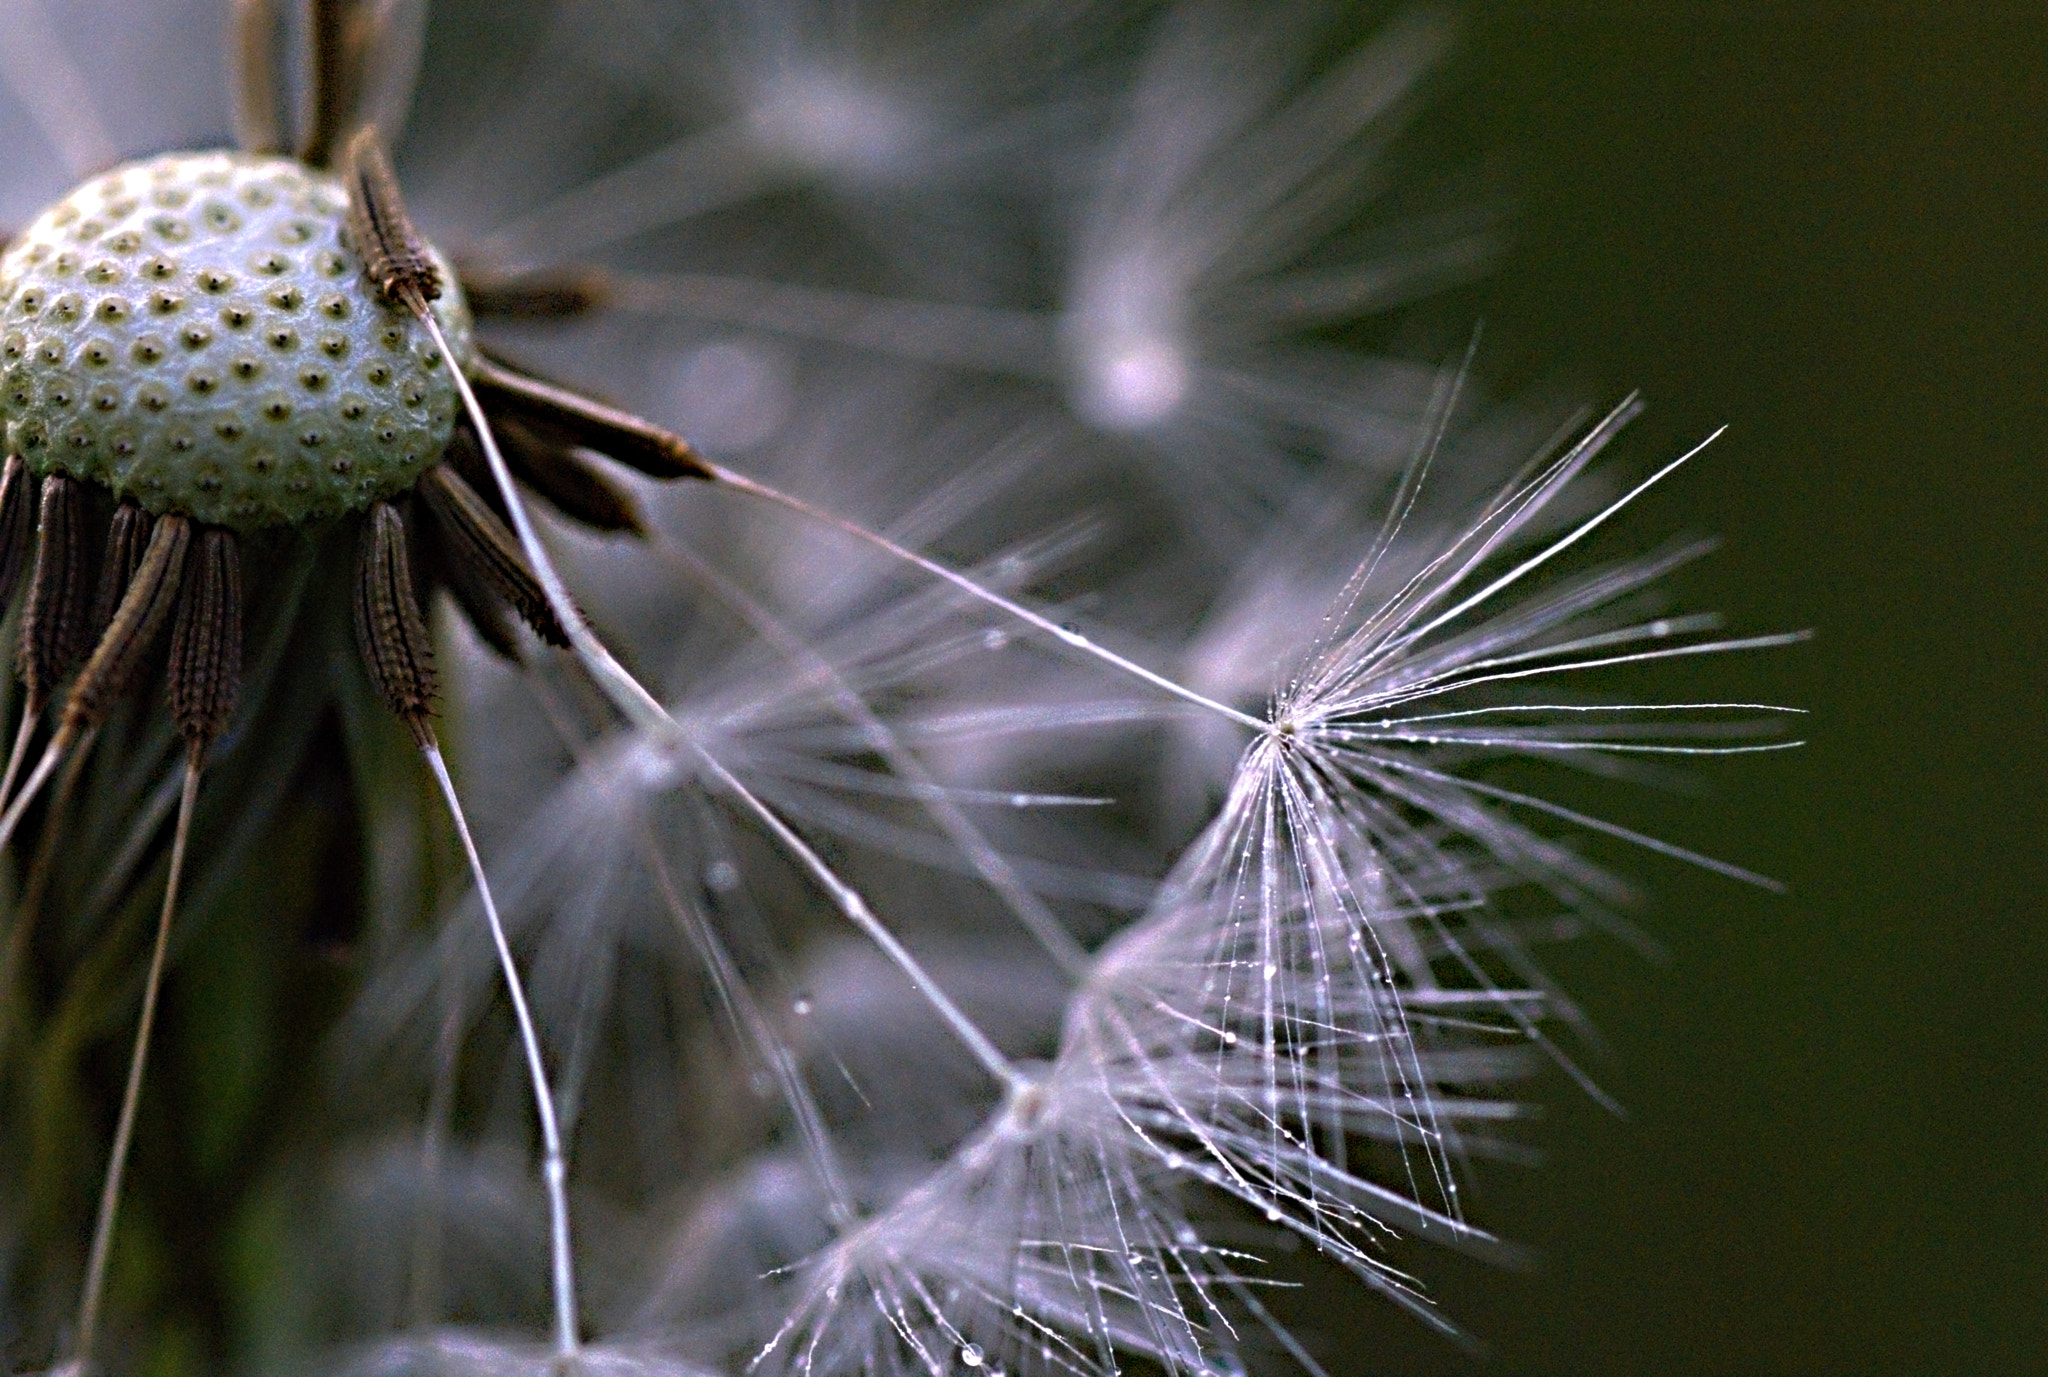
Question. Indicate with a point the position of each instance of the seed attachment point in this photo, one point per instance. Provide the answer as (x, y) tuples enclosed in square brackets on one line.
[(395, 257)]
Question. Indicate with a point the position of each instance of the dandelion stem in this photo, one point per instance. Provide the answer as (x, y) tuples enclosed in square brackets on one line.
[(1065, 634), (554, 1166), (848, 900), (124, 1129)]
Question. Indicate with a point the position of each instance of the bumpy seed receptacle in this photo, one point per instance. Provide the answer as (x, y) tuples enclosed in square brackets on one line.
[(196, 332)]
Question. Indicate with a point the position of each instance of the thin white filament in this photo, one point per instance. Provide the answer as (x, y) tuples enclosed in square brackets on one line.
[(746, 1016), (1648, 843), (848, 901), (131, 1096), (732, 991), (554, 1169), (1462, 679), (1065, 634), (1599, 707), (626, 693), (1559, 546)]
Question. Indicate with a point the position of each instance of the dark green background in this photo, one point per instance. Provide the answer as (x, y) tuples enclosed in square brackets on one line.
[(1824, 225)]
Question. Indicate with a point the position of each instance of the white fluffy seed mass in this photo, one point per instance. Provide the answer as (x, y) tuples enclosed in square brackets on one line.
[(196, 332)]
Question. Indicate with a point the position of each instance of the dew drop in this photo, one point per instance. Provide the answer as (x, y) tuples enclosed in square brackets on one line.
[(722, 876), (802, 1007), (994, 639)]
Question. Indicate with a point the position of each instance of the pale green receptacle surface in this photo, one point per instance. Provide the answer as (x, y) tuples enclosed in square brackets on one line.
[(196, 332)]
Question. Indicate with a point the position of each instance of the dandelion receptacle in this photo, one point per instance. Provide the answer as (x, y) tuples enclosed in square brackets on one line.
[(958, 884)]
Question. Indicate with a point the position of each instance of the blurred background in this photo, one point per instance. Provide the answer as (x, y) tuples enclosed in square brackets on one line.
[(1825, 225)]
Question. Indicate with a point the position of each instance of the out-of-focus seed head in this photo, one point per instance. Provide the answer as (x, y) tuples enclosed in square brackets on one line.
[(196, 332)]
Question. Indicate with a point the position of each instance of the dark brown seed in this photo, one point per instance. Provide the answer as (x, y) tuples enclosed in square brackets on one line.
[(437, 568), (394, 255), (479, 546), (148, 597), (127, 538), (390, 631), (56, 626), (553, 469), (572, 417), (17, 524), (206, 645)]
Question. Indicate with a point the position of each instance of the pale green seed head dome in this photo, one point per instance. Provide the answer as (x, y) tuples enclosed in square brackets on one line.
[(196, 332)]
